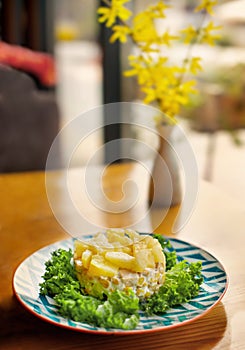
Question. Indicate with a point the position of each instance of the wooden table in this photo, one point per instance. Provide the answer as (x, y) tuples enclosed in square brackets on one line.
[(27, 224)]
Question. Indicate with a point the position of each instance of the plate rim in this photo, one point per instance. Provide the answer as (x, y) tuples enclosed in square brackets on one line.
[(104, 331)]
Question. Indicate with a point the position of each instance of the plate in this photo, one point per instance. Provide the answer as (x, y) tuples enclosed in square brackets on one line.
[(28, 276)]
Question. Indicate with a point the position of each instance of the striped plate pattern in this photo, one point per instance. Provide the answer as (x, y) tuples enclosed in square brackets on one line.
[(28, 276)]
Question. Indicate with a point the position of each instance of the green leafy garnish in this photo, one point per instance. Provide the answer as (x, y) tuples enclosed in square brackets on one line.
[(59, 273), (181, 284), (120, 310)]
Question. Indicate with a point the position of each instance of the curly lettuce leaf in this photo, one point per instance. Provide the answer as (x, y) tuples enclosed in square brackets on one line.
[(120, 310), (182, 283), (59, 273)]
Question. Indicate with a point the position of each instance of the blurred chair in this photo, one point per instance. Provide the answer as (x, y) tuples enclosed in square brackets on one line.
[(29, 122)]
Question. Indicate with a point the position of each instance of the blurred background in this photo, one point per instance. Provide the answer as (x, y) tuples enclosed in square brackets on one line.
[(56, 63)]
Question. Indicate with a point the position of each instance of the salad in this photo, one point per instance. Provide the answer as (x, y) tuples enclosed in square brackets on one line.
[(108, 280)]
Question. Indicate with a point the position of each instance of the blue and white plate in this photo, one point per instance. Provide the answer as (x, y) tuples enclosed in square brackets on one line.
[(28, 276)]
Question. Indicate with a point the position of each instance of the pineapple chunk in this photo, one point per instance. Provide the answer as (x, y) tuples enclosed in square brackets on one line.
[(105, 254), (158, 253), (127, 250), (79, 248), (143, 259), (118, 231), (133, 235), (99, 267), (150, 241), (120, 259), (139, 246), (115, 237), (86, 258), (100, 241)]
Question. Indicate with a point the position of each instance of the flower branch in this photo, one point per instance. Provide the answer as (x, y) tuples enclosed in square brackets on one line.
[(164, 84)]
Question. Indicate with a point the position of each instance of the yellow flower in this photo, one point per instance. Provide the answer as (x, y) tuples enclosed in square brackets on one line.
[(166, 38), (116, 10), (161, 83), (143, 29), (207, 5), (201, 35), (187, 88), (138, 68), (150, 95), (166, 85), (158, 10), (195, 65), (206, 36), (120, 33), (190, 34)]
